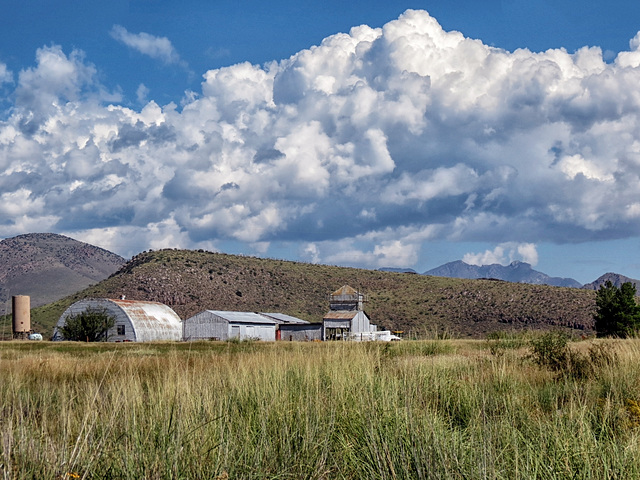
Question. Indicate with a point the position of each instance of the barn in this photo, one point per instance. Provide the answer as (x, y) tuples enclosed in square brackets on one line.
[(136, 321), (222, 325)]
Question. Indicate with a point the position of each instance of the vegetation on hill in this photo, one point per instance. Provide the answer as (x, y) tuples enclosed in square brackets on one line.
[(192, 281)]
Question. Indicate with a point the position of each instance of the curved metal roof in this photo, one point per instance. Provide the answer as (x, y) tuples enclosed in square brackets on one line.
[(150, 320)]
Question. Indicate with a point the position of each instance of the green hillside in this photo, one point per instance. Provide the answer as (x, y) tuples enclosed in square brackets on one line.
[(192, 281)]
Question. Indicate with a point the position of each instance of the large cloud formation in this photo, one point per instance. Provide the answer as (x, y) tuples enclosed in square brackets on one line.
[(358, 150)]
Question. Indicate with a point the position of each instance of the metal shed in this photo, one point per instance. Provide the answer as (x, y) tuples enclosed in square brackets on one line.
[(300, 332), (345, 324), (136, 321), (223, 325)]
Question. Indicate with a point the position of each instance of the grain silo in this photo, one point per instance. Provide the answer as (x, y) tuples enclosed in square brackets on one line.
[(21, 315)]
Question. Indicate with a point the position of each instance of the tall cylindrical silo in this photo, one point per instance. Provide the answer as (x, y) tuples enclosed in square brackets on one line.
[(21, 306)]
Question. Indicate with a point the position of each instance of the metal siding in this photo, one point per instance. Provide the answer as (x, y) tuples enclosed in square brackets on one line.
[(301, 333), (337, 323), (225, 325), (206, 325), (360, 323), (152, 321)]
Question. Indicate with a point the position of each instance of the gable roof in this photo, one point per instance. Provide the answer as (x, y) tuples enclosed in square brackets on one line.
[(340, 315), (283, 318), (345, 290), (243, 317)]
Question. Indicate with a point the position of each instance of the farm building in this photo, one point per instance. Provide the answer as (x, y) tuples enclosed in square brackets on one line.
[(135, 321), (292, 328), (220, 325), (300, 332), (223, 325), (346, 319)]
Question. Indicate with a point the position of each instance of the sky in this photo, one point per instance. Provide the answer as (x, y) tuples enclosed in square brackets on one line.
[(366, 134)]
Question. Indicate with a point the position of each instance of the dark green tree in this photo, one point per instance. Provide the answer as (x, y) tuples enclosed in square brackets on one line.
[(91, 325), (617, 314)]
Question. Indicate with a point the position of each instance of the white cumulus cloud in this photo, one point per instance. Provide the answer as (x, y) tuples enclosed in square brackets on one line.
[(503, 254), (361, 149), (159, 48)]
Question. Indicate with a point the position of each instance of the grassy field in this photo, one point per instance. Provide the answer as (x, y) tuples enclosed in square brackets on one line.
[(430, 409)]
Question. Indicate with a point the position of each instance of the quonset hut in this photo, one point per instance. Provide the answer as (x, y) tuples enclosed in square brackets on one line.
[(136, 321)]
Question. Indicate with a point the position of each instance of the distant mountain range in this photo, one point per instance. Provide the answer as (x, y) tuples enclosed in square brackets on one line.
[(48, 267), (517, 272), (397, 270)]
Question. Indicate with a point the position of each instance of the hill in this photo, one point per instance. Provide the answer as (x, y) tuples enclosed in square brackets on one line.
[(518, 272), (191, 281), (48, 267), (615, 278)]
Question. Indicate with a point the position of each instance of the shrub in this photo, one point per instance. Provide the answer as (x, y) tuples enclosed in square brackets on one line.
[(551, 350), (90, 325)]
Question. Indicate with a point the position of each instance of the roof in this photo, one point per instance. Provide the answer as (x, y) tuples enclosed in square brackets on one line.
[(282, 318), (340, 315), (243, 317), (345, 290)]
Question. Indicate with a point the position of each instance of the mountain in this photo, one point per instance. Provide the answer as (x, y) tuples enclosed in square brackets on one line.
[(48, 267), (517, 272), (397, 270), (192, 281), (614, 278)]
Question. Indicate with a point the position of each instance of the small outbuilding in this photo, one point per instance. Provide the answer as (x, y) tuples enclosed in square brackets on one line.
[(300, 332), (135, 321), (296, 329)]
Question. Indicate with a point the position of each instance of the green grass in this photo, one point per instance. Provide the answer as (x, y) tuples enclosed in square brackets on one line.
[(435, 409)]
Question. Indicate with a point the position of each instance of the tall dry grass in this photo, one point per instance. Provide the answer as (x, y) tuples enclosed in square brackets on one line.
[(439, 409)]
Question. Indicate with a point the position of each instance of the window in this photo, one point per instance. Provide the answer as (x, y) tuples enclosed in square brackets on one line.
[(121, 330)]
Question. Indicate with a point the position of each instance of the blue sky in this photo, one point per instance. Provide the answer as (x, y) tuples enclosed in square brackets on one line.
[(486, 131)]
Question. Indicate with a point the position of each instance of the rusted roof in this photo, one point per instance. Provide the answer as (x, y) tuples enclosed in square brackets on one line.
[(345, 290), (340, 315)]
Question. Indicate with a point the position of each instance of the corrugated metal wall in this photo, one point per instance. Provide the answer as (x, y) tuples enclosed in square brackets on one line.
[(206, 326), (301, 333)]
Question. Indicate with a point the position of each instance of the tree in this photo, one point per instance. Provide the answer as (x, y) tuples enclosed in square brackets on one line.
[(617, 314), (91, 325)]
